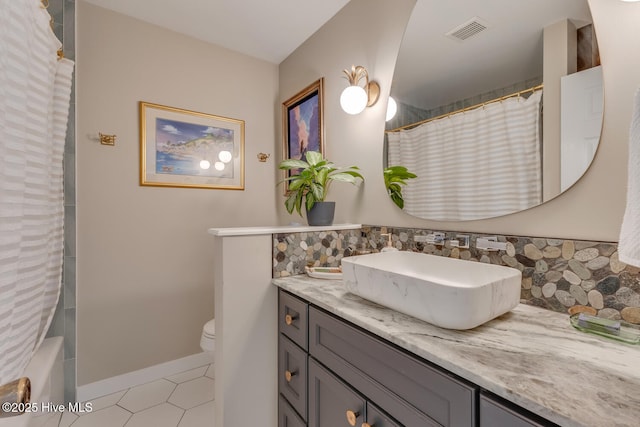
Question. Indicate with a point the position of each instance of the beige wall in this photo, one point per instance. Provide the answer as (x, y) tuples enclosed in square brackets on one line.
[(145, 281), (144, 275), (591, 209), (368, 33)]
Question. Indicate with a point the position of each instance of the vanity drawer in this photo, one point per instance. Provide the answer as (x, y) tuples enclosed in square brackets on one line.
[(414, 393), (293, 318), (287, 417), (292, 374), (496, 412)]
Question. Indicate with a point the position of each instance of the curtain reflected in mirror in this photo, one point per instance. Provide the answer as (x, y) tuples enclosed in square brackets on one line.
[(472, 123), (478, 164)]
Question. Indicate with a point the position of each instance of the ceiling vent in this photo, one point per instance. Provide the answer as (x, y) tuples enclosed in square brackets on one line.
[(469, 29)]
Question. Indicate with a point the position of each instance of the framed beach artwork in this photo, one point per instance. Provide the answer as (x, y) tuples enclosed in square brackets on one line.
[(182, 148), (302, 122)]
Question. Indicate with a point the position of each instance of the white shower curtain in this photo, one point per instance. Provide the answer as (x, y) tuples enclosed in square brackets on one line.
[(477, 164), (35, 89)]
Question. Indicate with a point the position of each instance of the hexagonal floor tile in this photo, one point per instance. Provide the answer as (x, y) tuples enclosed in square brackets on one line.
[(203, 415), (163, 415), (147, 395), (113, 416), (193, 393), (211, 371)]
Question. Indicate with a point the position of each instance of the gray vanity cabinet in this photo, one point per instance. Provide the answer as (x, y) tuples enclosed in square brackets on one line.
[(409, 390), (334, 374), (332, 403)]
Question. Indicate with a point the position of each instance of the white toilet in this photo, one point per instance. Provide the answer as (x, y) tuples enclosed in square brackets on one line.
[(208, 339)]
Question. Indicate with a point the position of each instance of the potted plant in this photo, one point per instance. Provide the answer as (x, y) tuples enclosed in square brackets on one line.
[(394, 178), (309, 184)]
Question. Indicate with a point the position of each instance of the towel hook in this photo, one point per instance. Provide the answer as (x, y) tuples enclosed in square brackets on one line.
[(107, 139)]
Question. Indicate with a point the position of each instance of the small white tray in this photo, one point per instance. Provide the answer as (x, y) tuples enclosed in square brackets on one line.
[(331, 273)]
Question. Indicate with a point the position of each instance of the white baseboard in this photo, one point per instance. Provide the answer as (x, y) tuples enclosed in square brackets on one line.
[(121, 382)]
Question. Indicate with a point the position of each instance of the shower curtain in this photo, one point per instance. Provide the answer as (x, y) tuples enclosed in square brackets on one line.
[(35, 89), (478, 164)]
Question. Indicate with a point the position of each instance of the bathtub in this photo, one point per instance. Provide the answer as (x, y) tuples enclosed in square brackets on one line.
[(45, 370)]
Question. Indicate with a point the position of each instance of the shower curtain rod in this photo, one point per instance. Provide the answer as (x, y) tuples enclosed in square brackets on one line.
[(462, 110), (45, 5)]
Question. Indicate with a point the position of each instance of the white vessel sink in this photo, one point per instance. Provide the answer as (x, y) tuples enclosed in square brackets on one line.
[(446, 292)]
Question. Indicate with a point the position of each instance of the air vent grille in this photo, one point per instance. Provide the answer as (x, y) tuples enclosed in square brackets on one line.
[(469, 29)]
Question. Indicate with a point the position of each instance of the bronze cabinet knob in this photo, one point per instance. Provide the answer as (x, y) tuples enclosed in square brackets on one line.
[(352, 417), (288, 375), (288, 319)]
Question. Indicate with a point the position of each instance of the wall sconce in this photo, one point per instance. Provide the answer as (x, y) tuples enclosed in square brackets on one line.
[(356, 98)]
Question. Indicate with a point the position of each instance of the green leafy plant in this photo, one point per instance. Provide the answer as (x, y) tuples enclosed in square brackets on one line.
[(312, 178), (394, 178)]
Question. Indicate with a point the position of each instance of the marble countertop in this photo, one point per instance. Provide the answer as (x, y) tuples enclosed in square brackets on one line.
[(529, 356)]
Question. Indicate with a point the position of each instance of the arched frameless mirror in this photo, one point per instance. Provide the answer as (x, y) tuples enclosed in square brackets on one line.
[(500, 106)]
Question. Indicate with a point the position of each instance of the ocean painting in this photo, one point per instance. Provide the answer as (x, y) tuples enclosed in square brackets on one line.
[(190, 149)]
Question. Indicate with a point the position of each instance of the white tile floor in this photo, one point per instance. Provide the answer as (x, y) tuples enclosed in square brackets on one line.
[(182, 400)]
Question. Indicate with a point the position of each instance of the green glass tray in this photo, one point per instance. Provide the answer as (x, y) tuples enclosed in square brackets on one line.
[(616, 329)]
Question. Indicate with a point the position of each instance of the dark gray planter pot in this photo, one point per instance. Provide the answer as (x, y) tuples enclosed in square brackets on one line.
[(321, 213)]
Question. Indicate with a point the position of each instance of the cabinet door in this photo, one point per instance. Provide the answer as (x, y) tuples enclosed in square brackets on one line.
[(495, 412), (377, 418), (287, 417), (292, 375), (331, 401), (292, 318)]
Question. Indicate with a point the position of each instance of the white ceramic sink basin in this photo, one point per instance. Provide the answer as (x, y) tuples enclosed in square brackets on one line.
[(446, 292)]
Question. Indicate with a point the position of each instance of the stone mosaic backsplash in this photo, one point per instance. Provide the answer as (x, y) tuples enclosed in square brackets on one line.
[(292, 252), (567, 276)]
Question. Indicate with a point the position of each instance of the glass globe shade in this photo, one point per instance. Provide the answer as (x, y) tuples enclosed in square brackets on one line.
[(225, 156), (353, 100), (205, 164), (392, 108), (219, 166)]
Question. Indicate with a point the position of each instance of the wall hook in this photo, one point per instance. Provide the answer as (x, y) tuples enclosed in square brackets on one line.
[(107, 139), (262, 157)]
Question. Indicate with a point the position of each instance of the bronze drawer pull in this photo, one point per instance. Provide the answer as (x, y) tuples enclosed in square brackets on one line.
[(288, 375), (367, 425), (288, 319), (352, 417)]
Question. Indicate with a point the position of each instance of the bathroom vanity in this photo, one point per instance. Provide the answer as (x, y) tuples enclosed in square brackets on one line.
[(345, 361)]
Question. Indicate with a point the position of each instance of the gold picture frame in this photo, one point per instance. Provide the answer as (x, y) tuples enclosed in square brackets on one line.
[(303, 123), (189, 149)]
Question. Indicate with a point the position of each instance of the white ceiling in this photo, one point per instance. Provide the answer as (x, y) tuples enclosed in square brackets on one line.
[(265, 29), (432, 69)]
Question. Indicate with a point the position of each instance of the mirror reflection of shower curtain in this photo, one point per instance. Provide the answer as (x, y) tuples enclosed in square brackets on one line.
[(34, 108), (477, 164)]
